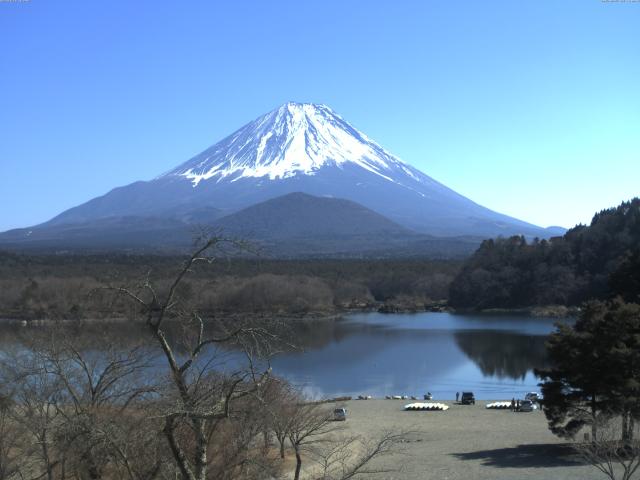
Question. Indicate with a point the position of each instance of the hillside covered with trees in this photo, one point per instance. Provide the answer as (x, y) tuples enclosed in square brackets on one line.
[(598, 261), (68, 286)]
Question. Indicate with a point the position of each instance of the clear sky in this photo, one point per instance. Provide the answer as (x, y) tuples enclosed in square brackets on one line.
[(531, 108)]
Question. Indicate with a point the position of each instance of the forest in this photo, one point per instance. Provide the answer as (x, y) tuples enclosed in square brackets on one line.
[(599, 261), (66, 286)]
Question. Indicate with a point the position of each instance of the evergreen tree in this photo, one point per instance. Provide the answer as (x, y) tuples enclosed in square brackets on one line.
[(599, 261), (596, 369)]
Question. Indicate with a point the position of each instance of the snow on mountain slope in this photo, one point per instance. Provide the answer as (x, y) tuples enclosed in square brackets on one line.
[(295, 139)]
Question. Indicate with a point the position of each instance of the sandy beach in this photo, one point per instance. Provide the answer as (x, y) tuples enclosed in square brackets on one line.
[(468, 442)]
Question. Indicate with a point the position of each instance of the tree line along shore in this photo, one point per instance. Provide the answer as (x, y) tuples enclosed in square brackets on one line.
[(542, 277), (69, 286)]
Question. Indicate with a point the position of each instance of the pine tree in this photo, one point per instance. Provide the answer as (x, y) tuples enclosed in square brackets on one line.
[(596, 369)]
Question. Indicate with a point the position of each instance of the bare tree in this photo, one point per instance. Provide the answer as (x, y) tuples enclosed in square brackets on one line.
[(201, 396), (311, 431), (79, 408), (10, 441), (347, 457), (236, 450), (100, 399), (279, 402), (613, 453), (310, 424), (37, 395)]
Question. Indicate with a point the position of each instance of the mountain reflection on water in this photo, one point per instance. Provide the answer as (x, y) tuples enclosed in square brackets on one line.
[(375, 354), (388, 354), (503, 354)]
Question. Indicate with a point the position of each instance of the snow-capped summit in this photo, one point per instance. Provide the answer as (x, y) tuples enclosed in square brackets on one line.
[(294, 139), (298, 147)]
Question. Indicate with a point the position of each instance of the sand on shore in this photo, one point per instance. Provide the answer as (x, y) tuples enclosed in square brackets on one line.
[(466, 442)]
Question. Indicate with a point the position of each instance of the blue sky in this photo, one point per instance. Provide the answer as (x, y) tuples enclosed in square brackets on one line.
[(530, 108)]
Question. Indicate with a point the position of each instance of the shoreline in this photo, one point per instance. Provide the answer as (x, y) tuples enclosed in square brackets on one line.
[(548, 311), (466, 442)]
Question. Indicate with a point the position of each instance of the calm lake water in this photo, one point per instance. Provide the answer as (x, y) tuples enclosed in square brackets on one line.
[(410, 354), (372, 353)]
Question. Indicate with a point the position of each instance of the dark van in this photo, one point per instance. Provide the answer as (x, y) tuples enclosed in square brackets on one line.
[(467, 398)]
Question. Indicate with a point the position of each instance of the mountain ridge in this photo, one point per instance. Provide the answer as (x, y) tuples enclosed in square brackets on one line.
[(294, 225), (298, 147)]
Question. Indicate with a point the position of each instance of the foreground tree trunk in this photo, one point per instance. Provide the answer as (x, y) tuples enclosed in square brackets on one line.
[(594, 419), (298, 465), (201, 450)]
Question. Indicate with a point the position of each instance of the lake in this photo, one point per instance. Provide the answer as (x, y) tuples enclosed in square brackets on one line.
[(410, 354), (372, 353)]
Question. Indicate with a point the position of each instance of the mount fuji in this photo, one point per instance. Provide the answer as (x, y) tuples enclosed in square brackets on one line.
[(298, 147)]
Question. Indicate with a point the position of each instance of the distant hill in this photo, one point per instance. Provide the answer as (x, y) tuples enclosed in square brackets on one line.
[(294, 225), (298, 224), (596, 261), (300, 215), (129, 233)]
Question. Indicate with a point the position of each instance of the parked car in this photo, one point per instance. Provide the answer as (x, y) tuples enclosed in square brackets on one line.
[(340, 414), (533, 396), (468, 398), (527, 406)]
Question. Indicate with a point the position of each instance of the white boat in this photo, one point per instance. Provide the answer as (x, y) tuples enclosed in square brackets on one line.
[(499, 405), (426, 406)]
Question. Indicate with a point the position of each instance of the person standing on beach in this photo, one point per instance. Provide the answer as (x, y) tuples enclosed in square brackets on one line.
[(513, 404), (457, 396)]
